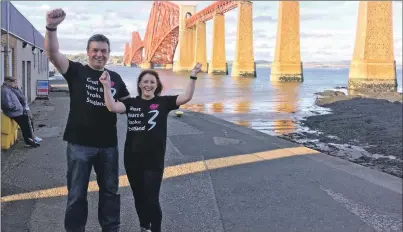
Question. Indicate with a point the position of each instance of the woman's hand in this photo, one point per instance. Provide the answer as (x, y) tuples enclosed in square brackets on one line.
[(196, 69), (105, 79)]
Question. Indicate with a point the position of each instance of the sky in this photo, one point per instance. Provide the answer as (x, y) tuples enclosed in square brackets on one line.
[(327, 28)]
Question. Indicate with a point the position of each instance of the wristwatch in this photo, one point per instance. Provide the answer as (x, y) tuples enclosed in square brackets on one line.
[(193, 77)]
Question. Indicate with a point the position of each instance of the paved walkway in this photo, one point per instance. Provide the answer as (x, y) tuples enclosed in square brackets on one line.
[(219, 177)]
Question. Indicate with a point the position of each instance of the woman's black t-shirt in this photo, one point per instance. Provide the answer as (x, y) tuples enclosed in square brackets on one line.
[(147, 130)]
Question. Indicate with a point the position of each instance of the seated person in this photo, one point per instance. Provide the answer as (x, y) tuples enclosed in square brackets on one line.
[(13, 108), (24, 103)]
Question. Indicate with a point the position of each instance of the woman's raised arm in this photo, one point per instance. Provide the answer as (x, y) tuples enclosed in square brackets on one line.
[(188, 95), (111, 104)]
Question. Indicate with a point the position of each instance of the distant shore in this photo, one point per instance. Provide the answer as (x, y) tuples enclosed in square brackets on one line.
[(363, 129), (117, 60)]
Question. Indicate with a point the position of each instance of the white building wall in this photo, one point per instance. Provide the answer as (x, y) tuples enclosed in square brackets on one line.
[(36, 68)]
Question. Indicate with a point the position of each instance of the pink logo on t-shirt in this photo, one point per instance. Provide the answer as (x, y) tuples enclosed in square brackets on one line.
[(112, 83), (153, 106)]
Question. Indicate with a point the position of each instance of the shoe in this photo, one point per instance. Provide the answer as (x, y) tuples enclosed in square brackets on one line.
[(37, 139), (32, 144), (145, 230)]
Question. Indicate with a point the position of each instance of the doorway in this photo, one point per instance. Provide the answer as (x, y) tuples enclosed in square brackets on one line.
[(29, 81), (23, 87)]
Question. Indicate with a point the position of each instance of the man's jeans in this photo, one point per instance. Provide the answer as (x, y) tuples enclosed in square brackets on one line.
[(80, 160)]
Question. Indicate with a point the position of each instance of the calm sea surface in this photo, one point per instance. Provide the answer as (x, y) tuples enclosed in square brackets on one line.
[(252, 102)]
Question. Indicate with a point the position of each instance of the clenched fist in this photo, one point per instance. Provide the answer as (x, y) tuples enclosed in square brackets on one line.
[(55, 17)]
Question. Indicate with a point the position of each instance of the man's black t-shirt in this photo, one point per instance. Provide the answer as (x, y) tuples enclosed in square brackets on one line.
[(147, 130), (89, 122)]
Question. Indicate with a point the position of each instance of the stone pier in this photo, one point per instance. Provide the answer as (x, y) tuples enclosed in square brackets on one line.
[(201, 53), (185, 48), (218, 63), (287, 65), (244, 58), (146, 65), (373, 65)]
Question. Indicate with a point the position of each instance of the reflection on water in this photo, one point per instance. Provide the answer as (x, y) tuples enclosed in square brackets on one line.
[(272, 108), (286, 102)]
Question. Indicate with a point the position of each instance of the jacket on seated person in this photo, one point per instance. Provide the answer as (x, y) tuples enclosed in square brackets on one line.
[(21, 97), (10, 104)]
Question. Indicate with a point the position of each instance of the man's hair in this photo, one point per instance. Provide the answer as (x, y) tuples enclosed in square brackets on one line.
[(9, 78), (99, 38)]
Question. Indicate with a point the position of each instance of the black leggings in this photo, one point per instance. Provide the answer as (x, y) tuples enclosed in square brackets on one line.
[(146, 185)]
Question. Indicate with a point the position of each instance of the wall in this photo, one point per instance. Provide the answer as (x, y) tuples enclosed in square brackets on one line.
[(9, 58), (39, 68), (17, 24), (39, 65), (22, 31)]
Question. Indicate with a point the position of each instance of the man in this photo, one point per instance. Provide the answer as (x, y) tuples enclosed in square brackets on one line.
[(90, 132), (27, 111), (13, 108)]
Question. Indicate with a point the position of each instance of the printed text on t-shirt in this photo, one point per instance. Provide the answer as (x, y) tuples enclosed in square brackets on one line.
[(135, 119), (95, 92)]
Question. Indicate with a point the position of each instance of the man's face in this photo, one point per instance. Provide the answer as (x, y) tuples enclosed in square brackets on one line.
[(98, 54), (12, 84)]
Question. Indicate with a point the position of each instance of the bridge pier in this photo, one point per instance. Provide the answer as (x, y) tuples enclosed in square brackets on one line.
[(287, 65), (186, 43), (373, 66), (244, 63), (201, 53), (218, 63), (146, 65)]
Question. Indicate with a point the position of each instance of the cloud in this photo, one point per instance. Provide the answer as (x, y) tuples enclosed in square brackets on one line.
[(263, 46), (186, 2), (231, 18), (327, 29), (80, 44), (317, 35), (311, 17), (265, 18), (263, 35)]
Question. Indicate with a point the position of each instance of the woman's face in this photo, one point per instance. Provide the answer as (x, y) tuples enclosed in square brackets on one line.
[(148, 85)]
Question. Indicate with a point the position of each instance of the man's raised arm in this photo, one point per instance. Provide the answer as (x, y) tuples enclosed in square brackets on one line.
[(53, 19)]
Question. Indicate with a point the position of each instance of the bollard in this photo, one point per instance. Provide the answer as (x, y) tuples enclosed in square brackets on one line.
[(179, 113)]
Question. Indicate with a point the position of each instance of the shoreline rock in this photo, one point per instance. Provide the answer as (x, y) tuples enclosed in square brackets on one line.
[(365, 129)]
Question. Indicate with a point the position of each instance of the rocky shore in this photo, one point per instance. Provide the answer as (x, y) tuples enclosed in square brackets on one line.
[(365, 129)]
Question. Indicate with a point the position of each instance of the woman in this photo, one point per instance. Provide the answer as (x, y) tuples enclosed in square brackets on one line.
[(145, 145)]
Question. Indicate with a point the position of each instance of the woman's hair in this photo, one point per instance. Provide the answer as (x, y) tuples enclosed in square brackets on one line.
[(159, 88)]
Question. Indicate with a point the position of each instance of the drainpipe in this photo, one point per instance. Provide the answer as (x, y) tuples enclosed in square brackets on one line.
[(8, 41)]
